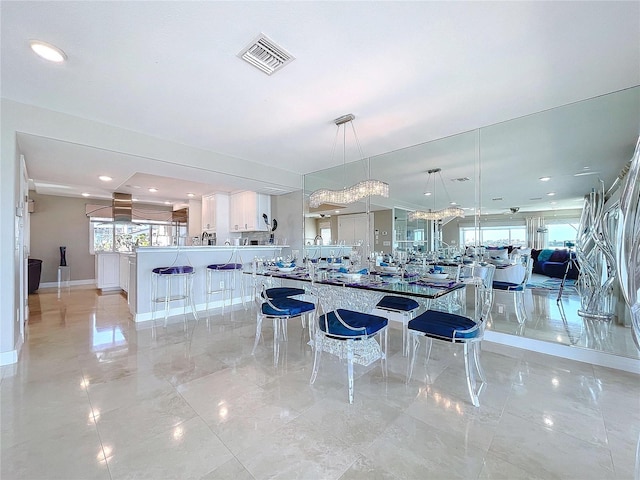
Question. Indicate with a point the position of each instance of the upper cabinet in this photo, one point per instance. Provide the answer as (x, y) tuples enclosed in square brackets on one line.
[(209, 213), (247, 210)]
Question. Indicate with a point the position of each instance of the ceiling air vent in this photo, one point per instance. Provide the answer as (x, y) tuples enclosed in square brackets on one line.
[(264, 54)]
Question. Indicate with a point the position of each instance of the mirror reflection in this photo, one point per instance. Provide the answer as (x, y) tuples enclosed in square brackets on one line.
[(504, 176)]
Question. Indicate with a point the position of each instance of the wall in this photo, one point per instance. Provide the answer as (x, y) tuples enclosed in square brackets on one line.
[(195, 217), (287, 210), (61, 221), (383, 231), (310, 230), (10, 336)]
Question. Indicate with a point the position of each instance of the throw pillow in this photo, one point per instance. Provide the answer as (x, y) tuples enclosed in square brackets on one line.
[(558, 256)]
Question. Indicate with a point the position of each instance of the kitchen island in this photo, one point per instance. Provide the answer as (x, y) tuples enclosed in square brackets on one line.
[(148, 258)]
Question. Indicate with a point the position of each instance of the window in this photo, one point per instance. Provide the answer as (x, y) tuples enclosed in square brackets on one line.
[(560, 233), (499, 236), (106, 236)]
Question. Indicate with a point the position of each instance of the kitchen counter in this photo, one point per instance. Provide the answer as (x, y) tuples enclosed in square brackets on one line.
[(148, 258)]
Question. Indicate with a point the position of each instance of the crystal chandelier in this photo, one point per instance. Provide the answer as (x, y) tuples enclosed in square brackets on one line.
[(441, 214), (354, 193)]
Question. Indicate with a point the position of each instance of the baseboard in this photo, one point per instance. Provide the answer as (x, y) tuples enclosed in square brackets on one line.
[(10, 357), (89, 281), (201, 307), (578, 354)]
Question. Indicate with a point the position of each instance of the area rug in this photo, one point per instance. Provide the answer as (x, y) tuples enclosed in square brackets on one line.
[(553, 284)]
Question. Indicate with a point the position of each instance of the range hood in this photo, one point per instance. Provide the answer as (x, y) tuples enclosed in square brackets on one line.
[(121, 207)]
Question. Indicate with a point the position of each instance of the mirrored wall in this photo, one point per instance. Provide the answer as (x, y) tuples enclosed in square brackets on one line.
[(493, 173)]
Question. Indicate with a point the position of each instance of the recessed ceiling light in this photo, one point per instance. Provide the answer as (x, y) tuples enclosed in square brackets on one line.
[(337, 211), (134, 199), (551, 194), (153, 190), (427, 194), (85, 194), (191, 195), (47, 51), (545, 179), (452, 203), (167, 202), (105, 178)]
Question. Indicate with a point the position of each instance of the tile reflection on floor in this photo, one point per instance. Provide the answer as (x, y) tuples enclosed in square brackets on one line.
[(558, 322), (96, 396)]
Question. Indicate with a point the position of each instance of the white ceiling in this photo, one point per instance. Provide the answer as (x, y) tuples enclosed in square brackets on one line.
[(409, 71)]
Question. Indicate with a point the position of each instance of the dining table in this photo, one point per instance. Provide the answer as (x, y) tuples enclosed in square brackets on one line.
[(362, 291)]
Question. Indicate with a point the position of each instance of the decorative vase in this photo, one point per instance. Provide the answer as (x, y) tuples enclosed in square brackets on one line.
[(63, 256)]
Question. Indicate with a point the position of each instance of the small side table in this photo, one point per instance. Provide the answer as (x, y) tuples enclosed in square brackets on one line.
[(64, 279)]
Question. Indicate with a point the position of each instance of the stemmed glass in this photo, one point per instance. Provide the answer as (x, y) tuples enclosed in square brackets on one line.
[(332, 254)]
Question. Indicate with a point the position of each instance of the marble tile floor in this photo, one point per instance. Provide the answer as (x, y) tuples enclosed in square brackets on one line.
[(96, 396)]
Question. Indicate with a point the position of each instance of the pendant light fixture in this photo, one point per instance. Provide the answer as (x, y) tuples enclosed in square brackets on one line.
[(434, 214), (356, 192)]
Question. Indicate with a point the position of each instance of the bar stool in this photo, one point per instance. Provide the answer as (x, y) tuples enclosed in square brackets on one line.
[(178, 283), (400, 309), (228, 272)]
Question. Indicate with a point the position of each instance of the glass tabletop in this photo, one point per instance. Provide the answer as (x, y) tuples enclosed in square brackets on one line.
[(392, 284)]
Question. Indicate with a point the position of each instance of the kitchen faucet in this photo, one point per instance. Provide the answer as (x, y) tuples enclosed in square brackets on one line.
[(318, 240)]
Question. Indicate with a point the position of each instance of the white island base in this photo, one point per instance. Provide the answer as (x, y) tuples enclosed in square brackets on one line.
[(148, 258)]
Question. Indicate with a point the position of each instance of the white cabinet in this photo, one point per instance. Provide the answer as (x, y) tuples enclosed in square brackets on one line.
[(246, 211), (108, 271), (124, 272), (209, 213)]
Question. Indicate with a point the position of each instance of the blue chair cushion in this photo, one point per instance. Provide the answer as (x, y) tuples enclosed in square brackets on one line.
[(175, 270), (511, 287), (225, 266), (401, 304), (434, 323), (279, 292), (366, 323), (286, 307)]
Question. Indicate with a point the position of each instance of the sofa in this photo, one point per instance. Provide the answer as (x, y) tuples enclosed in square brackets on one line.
[(553, 263)]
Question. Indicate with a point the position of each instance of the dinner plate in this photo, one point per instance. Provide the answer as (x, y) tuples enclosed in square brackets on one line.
[(389, 269), (436, 280), (437, 276), (286, 269), (351, 276)]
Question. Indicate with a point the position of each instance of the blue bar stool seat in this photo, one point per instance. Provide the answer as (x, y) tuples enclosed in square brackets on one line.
[(172, 284), (228, 276)]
